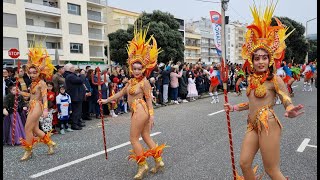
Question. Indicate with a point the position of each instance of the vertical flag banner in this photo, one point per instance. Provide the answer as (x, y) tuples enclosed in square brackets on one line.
[(216, 25)]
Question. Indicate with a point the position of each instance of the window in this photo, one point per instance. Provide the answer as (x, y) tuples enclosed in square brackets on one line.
[(9, 20), (75, 29), (29, 21), (10, 1), (94, 15), (74, 9), (53, 45), (30, 1), (9, 42), (76, 48), (51, 24)]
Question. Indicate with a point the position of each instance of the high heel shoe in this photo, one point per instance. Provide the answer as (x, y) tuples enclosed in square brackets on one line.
[(142, 170), (27, 155), (159, 165), (51, 146), (47, 140), (28, 149)]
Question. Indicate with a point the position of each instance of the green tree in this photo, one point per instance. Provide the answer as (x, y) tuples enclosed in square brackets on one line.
[(118, 43), (164, 28), (297, 46)]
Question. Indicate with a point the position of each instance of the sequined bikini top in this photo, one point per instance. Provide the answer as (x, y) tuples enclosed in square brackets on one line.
[(257, 84)]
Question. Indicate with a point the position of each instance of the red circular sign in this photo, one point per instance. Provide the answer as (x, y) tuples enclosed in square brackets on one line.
[(14, 53)]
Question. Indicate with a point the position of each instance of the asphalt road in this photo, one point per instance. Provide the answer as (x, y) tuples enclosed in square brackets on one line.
[(196, 133)]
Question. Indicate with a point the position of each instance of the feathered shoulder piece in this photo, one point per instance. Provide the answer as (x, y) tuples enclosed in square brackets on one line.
[(261, 35), (140, 50), (39, 58)]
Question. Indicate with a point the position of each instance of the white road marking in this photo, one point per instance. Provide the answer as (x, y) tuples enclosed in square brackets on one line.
[(84, 158), (215, 113), (295, 86), (304, 144)]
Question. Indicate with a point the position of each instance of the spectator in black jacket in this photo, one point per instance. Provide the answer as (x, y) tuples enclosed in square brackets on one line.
[(76, 90)]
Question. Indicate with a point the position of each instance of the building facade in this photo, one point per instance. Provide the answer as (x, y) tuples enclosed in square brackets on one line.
[(192, 52), (235, 38), (208, 49), (72, 31)]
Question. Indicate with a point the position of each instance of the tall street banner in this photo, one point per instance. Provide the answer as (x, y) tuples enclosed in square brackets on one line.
[(216, 25)]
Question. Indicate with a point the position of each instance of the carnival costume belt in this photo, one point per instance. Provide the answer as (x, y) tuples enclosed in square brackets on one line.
[(33, 103), (261, 117), (135, 103)]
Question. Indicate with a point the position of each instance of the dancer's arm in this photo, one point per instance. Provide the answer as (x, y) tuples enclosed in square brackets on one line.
[(147, 90), (44, 92), (281, 89), (24, 94), (115, 97), (238, 107)]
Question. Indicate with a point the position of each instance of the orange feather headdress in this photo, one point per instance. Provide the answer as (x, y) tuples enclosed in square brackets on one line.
[(139, 50), (40, 59), (261, 35)]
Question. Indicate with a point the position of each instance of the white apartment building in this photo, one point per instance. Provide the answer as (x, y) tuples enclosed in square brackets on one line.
[(208, 48), (235, 33), (72, 30)]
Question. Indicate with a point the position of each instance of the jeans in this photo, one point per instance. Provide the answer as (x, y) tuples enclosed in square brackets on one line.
[(165, 93), (174, 94)]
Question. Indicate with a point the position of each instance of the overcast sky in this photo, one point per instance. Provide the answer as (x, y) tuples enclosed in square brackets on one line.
[(299, 10)]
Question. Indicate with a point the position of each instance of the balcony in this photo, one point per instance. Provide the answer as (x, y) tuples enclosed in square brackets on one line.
[(97, 37), (39, 30), (48, 8), (204, 44), (97, 3), (96, 51), (10, 1), (96, 18), (96, 54)]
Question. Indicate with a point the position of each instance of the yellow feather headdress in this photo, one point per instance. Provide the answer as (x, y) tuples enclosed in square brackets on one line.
[(40, 59), (139, 50), (261, 35)]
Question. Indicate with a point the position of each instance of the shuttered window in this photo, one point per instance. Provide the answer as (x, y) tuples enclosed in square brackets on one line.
[(9, 42), (75, 29), (9, 20)]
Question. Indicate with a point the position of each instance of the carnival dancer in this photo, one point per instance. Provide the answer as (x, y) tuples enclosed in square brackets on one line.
[(215, 80), (142, 58), (8, 105), (39, 66), (240, 77), (264, 45), (308, 74), (288, 80)]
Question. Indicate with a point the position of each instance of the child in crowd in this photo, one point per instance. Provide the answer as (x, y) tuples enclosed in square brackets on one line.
[(64, 109), (51, 96), (8, 122), (113, 91), (192, 89)]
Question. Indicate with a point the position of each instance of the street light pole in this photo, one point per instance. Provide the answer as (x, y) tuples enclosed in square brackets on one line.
[(224, 7), (306, 60)]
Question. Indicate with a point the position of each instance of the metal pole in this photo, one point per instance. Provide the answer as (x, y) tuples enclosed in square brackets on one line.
[(307, 42), (108, 42), (223, 39), (307, 38)]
